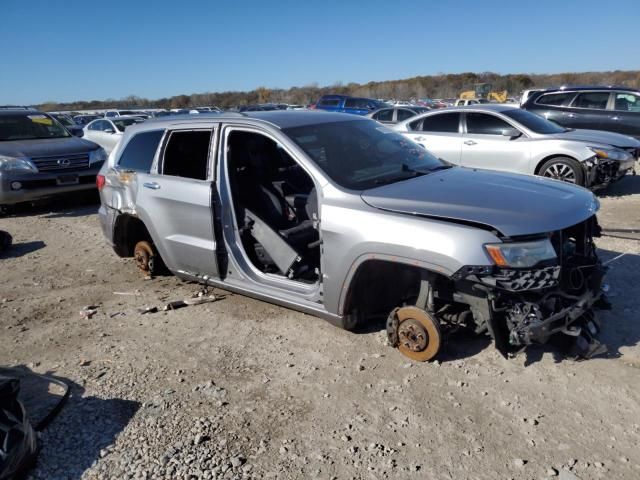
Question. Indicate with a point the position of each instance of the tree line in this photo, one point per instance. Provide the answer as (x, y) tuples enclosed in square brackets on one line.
[(429, 86)]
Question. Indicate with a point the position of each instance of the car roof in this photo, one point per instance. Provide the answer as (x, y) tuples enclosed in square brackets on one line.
[(588, 87), (278, 118), (480, 107), (14, 110)]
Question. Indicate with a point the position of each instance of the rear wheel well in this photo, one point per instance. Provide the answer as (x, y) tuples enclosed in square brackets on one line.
[(377, 287), (128, 231)]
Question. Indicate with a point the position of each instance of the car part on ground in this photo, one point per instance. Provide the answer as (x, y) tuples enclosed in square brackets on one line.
[(502, 137), (341, 218), (5, 240)]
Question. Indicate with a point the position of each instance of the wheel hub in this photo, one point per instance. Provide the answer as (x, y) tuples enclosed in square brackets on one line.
[(560, 171), (412, 335)]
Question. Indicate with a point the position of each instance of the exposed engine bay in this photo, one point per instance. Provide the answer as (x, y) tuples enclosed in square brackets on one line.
[(517, 306), (523, 306)]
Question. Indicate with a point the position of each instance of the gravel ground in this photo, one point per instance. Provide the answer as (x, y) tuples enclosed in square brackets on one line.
[(239, 388)]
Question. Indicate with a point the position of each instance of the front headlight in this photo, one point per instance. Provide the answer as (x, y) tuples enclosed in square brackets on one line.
[(16, 164), (610, 153), (98, 155), (520, 254)]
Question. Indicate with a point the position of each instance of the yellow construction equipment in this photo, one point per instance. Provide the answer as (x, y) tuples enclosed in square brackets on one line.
[(483, 91)]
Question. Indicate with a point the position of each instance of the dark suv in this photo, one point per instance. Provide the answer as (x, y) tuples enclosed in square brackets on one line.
[(40, 158), (616, 109)]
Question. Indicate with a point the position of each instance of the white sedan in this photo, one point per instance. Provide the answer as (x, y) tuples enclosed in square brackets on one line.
[(107, 132)]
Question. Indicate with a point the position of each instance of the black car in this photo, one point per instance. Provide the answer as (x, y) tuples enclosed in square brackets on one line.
[(616, 109)]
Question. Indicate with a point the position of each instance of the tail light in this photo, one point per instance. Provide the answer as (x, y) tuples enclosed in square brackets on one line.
[(100, 181)]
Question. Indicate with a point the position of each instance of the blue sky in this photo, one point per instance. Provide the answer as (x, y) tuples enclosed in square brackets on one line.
[(84, 50)]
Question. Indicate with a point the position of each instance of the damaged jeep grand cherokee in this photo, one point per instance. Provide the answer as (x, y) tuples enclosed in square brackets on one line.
[(345, 219)]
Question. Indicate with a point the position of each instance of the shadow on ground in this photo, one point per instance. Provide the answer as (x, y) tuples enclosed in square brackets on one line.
[(78, 204), (20, 249), (629, 185), (72, 442)]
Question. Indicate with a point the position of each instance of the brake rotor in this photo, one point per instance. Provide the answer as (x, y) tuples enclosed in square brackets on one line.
[(143, 255), (418, 334)]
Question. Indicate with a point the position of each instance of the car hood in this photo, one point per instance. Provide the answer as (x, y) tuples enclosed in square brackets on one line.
[(599, 136), (46, 147), (511, 204)]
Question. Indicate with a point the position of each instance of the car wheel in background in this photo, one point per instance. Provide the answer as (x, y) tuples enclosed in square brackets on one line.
[(563, 168)]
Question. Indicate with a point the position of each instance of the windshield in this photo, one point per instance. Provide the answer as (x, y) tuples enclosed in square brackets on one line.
[(122, 124), (361, 154), (534, 122), (64, 120), (30, 127)]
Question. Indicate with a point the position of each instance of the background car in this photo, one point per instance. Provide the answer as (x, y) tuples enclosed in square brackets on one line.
[(107, 132), (396, 114), (503, 137), (69, 124), (39, 158), (346, 104), (616, 109), (82, 120)]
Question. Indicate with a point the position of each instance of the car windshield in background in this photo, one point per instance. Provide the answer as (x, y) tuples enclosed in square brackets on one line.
[(30, 127), (534, 122), (66, 121), (362, 154), (121, 125)]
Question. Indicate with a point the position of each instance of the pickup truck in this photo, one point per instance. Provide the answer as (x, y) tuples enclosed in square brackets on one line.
[(346, 104)]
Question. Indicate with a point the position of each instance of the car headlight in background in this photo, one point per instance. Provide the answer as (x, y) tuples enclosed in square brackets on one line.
[(520, 254), (98, 155), (8, 164), (610, 153)]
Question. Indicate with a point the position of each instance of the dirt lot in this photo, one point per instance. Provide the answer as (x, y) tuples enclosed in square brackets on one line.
[(243, 389)]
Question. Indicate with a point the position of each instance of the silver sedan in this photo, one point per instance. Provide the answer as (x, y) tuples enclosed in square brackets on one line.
[(503, 137)]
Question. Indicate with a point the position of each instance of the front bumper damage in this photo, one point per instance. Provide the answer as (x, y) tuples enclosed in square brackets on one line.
[(599, 174), (520, 307)]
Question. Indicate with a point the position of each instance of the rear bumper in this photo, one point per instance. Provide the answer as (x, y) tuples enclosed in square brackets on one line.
[(36, 186)]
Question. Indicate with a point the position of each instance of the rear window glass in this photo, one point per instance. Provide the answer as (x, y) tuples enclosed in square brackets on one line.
[(187, 154), (443, 123), (555, 99), (330, 102), (592, 100), (403, 114), (139, 152), (384, 115)]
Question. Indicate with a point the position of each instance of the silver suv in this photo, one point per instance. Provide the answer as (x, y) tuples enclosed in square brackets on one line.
[(340, 217)]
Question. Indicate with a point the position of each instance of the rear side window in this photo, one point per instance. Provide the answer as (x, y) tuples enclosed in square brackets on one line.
[(139, 152), (484, 124), (329, 102), (187, 153), (384, 115), (627, 102), (403, 114), (555, 99), (442, 123), (593, 100)]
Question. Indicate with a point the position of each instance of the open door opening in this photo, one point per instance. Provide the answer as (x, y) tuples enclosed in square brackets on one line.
[(276, 207)]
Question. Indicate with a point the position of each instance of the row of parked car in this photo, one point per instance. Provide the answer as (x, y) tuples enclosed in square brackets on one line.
[(345, 218)]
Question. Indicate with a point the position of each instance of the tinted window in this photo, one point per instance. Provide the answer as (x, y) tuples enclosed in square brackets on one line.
[(484, 124), (384, 115), (330, 102), (443, 122), (627, 102), (186, 154), (139, 152), (363, 154), (29, 127), (534, 122), (403, 114), (556, 99), (594, 100), (356, 103)]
